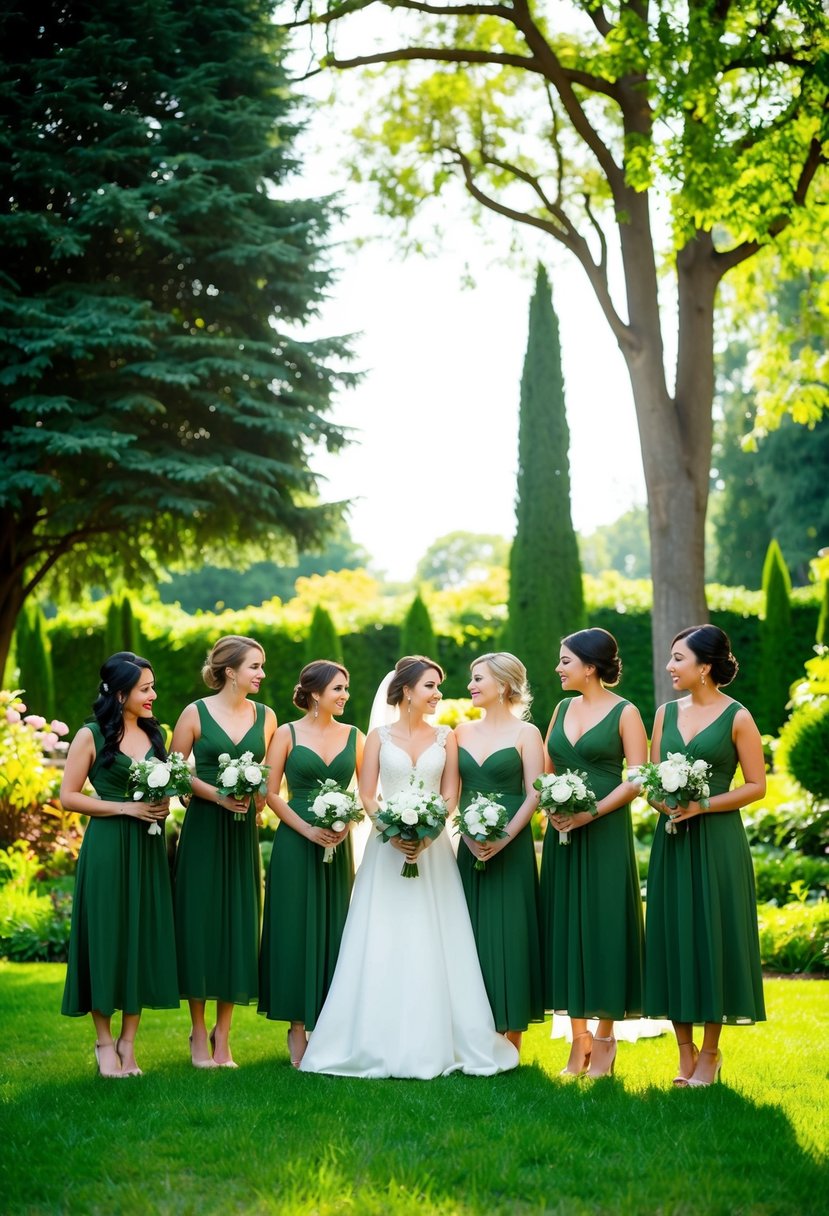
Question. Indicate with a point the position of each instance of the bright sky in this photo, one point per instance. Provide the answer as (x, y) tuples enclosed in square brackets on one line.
[(436, 416)]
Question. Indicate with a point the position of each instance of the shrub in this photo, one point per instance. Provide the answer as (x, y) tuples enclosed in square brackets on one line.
[(323, 641), (804, 747), (775, 634), (34, 922), (29, 784), (418, 636), (786, 818), (794, 938), (776, 871)]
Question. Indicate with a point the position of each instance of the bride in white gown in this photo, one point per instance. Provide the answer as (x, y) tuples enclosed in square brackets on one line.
[(408, 998)]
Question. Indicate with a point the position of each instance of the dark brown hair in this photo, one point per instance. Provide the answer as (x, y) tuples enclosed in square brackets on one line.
[(315, 677), (407, 672)]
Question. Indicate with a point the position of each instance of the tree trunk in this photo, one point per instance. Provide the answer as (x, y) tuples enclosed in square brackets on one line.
[(11, 601)]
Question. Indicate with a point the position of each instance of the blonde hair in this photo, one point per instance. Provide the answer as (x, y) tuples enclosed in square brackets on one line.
[(230, 652), (511, 672)]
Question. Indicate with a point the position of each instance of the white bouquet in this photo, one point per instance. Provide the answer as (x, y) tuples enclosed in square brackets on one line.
[(565, 793), (412, 815), (675, 782), (242, 778), (333, 808), (484, 819), (155, 780)]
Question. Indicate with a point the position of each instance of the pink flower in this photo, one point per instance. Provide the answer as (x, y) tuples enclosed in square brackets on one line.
[(12, 715), (58, 727), (49, 741), (35, 721)]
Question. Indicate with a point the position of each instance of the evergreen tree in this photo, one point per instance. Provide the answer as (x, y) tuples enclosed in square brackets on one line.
[(775, 641), (323, 640), (545, 595), (417, 635), (129, 626), (157, 402), (113, 630), (34, 661)]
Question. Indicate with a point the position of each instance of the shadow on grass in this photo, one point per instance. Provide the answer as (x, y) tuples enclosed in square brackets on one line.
[(268, 1139)]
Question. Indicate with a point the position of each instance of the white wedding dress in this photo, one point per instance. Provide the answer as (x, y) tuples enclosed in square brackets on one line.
[(407, 998)]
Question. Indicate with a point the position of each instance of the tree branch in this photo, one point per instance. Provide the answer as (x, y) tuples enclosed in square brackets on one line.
[(433, 54)]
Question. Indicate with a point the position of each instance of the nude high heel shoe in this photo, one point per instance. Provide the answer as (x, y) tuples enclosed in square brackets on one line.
[(596, 1069), (208, 1063), (219, 1063), (681, 1079), (697, 1082), (585, 1064), (109, 1076), (126, 1072)]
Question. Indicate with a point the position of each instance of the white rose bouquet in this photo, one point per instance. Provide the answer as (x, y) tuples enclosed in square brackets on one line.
[(484, 819), (412, 815), (155, 779), (241, 778), (565, 793), (675, 782), (333, 808)]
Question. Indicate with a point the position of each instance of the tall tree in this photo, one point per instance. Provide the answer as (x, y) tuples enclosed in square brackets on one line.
[(545, 587), (576, 121), (775, 640), (323, 641), (417, 635), (34, 661), (157, 402)]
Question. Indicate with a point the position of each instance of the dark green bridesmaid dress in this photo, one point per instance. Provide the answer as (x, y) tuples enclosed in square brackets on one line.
[(703, 949), (503, 898), (122, 944), (591, 910), (217, 880), (306, 899)]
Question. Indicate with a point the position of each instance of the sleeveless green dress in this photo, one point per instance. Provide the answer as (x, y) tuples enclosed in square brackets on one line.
[(703, 949), (591, 909), (306, 899), (217, 887), (122, 944), (503, 898)]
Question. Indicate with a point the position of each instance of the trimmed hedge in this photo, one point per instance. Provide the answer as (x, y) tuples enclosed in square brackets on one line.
[(177, 643)]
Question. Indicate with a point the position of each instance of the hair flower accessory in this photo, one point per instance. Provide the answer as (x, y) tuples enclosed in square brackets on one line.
[(105, 686)]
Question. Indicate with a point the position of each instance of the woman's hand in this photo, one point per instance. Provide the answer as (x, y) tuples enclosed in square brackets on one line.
[(569, 823), (147, 812), (485, 850), (324, 837), (411, 849), (238, 806), (681, 813)]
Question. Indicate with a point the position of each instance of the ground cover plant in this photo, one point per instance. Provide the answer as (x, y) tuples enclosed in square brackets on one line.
[(266, 1139)]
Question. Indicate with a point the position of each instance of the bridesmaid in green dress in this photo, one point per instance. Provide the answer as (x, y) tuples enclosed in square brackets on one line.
[(502, 755), (591, 921), (306, 899), (703, 950), (217, 879), (122, 945)]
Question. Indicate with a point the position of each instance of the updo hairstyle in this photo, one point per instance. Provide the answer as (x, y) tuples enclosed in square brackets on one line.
[(407, 672), (315, 677), (119, 675), (511, 672), (230, 652), (598, 648), (710, 644)]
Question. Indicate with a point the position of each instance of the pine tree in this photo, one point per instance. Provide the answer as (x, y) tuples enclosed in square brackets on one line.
[(775, 641), (34, 661), (323, 640), (158, 404), (546, 600), (417, 635)]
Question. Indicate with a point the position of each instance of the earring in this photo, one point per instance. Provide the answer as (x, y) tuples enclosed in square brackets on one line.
[(501, 697), (702, 678), (316, 709), (235, 685), (409, 706)]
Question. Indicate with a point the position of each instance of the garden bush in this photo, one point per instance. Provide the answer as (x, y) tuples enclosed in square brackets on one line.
[(794, 938), (34, 919), (804, 747)]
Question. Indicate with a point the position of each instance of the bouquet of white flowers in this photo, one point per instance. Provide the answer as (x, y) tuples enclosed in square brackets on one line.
[(565, 793), (676, 782), (333, 808), (412, 815), (156, 779), (242, 778), (484, 819)]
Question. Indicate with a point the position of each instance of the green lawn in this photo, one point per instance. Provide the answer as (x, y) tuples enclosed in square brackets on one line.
[(267, 1139)]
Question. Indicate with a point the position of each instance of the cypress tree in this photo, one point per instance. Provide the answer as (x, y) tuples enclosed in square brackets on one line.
[(113, 630), (323, 641), (546, 599), (129, 627), (34, 661), (775, 641), (158, 399), (417, 635)]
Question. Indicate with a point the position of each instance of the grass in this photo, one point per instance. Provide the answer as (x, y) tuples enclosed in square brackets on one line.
[(265, 1139)]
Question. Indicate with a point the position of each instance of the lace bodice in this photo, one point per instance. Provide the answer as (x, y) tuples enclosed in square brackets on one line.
[(396, 767)]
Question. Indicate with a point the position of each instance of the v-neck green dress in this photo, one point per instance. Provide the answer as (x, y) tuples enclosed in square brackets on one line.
[(503, 898), (217, 880), (591, 909), (306, 899), (703, 949), (122, 944)]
